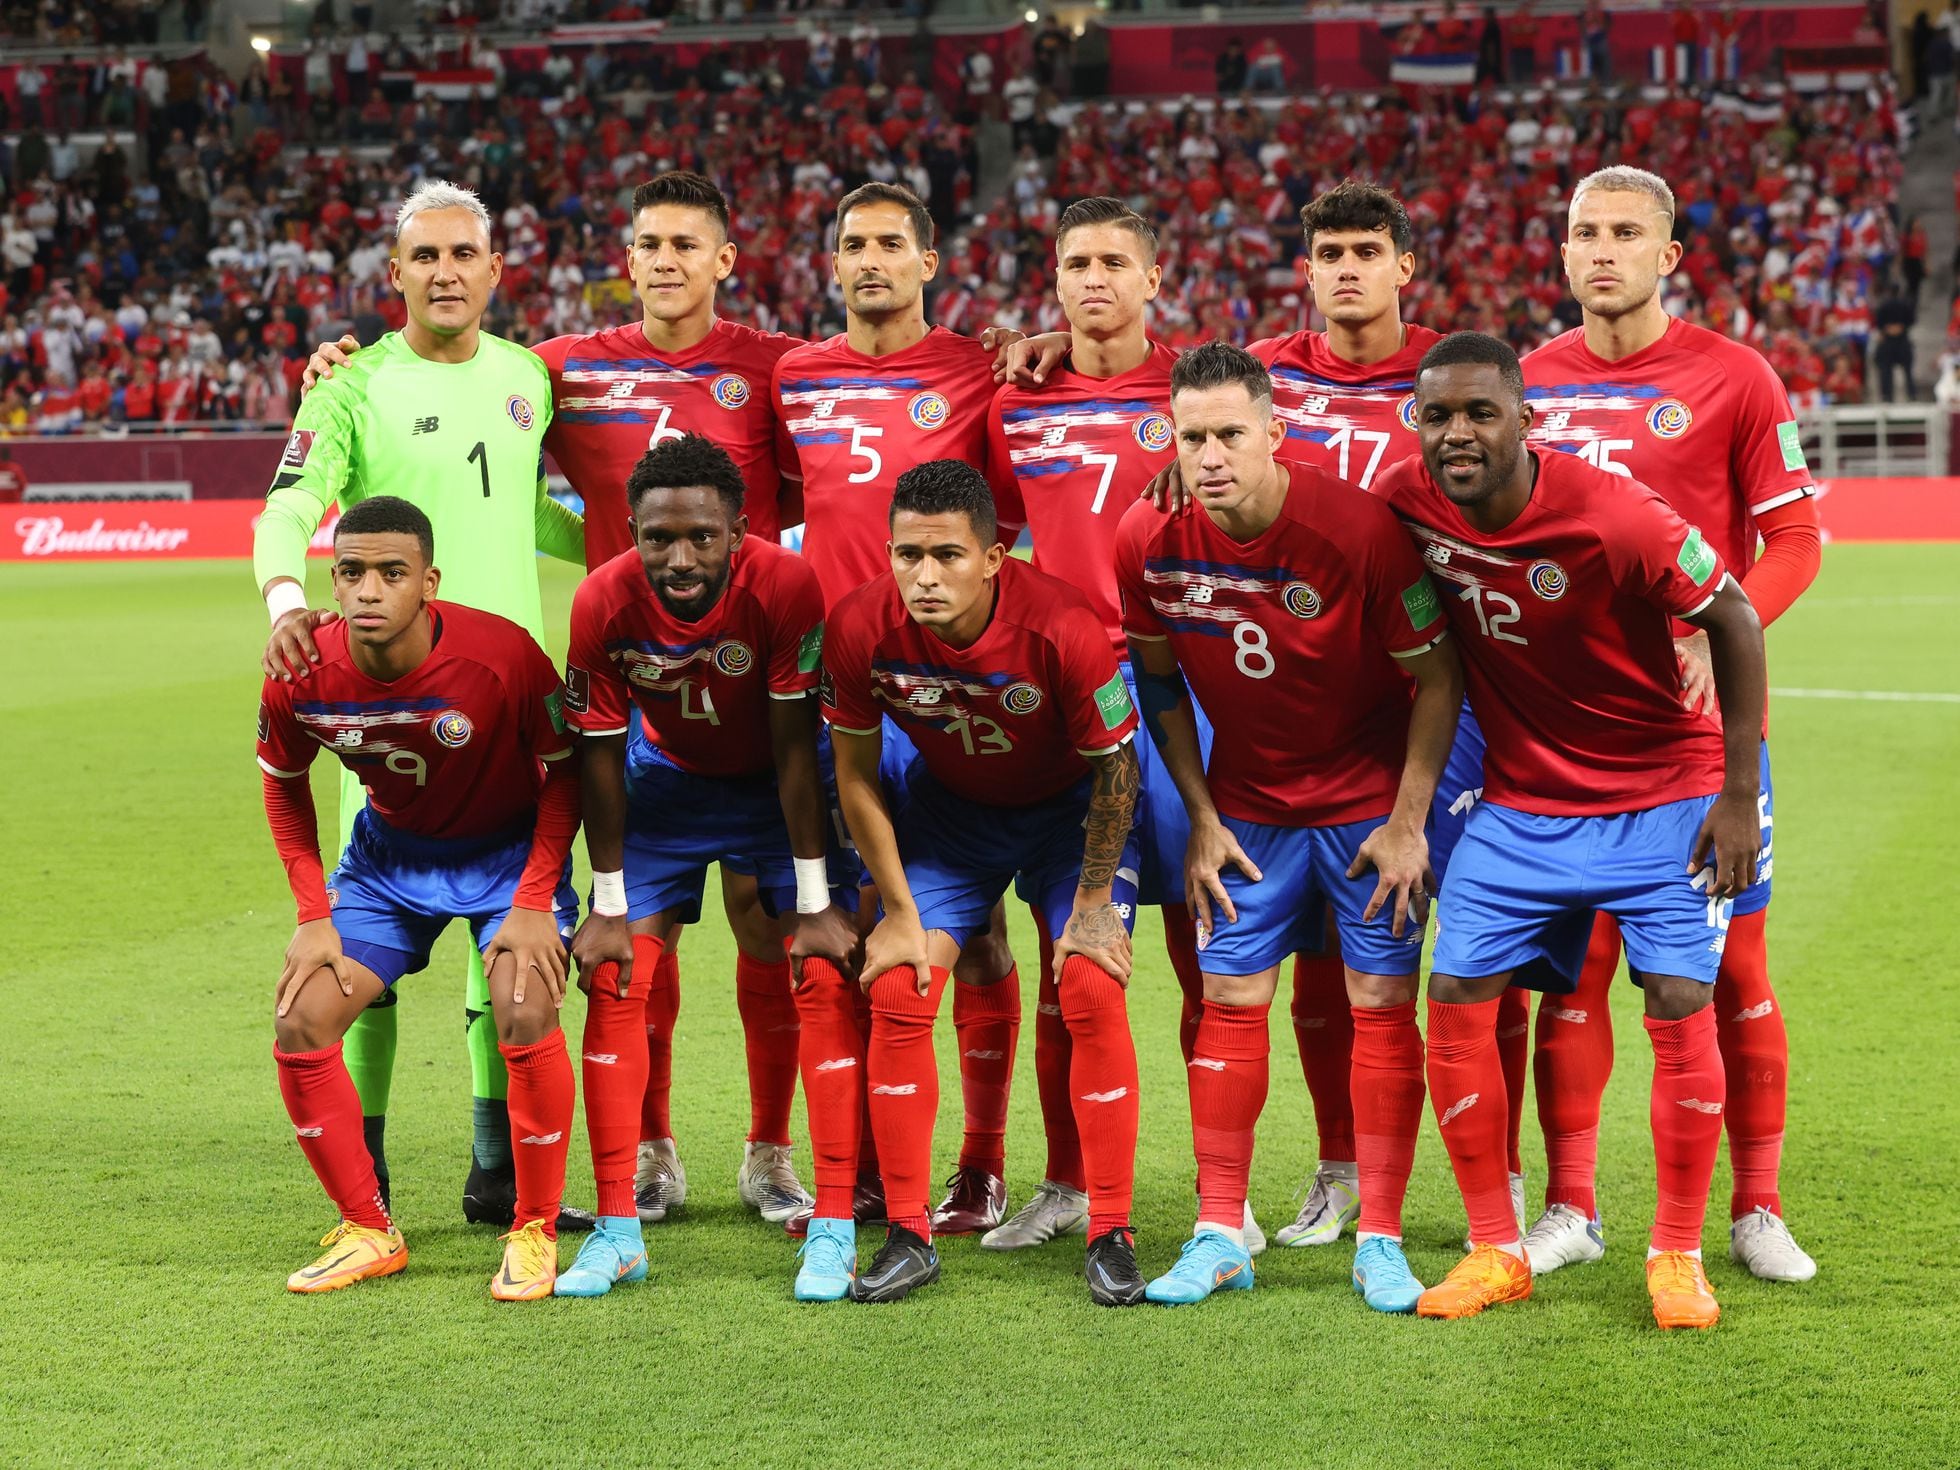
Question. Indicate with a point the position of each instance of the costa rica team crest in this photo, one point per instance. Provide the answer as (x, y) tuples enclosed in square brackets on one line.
[(734, 658), (731, 390), (1406, 412), (929, 410), (1020, 699), (1153, 432), (452, 727), (519, 409), (1548, 580), (1301, 600), (1669, 419)]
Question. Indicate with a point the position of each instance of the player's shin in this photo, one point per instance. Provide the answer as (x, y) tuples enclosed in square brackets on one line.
[(489, 1086), (1571, 1064), (1102, 1088), (326, 1114), (1466, 1087), (663, 1008), (1181, 945), (1514, 1054), (903, 1079), (987, 1025), (832, 1057), (613, 1065), (369, 1049), (1756, 1057), (1229, 1069), (541, 1095), (769, 1034), (1685, 1107), (1387, 1090), (1325, 1032), (1053, 1059)]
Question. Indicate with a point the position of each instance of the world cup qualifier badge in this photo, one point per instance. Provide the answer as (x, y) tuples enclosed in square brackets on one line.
[(731, 390), (1669, 419), (452, 728), (519, 409), (929, 410), (1548, 580), (1153, 432)]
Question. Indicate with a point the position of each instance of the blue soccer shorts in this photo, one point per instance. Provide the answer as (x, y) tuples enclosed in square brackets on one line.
[(1524, 888), (1163, 829), (393, 893), (1457, 793), (1755, 898), (1304, 872)]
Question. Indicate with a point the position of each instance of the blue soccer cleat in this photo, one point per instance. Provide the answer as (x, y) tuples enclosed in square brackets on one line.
[(829, 1256), (1383, 1277), (612, 1253), (1209, 1262)]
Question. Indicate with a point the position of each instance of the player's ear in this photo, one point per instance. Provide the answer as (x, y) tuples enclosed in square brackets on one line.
[(931, 259), (725, 259), (994, 556), (1275, 429), (431, 582), (1152, 280), (1405, 268), (738, 531), (496, 268)]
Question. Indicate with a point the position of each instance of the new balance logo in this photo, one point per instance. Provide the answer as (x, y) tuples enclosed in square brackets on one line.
[(837, 1064), (426, 426), (1208, 1063), (1048, 1010), (1309, 1023), (308, 1132), (602, 1058), (1199, 594), (1756, 1012), (347, 739), (904, 1089), (1698, 1105), (1100, 1097), (1571, 1018), (1518, 1030), (984, 1056), (547, 1138), (1462, 1104)]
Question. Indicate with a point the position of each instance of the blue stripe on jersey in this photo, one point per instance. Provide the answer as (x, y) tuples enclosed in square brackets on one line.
[(601, 416), (1044, 467), (828, 436), (831, 385), (1379, 385), (940, 671), (1593, 390), (1090, 405), (1218, 569), (665, 650), (1209, 627), (1294, 431), (424, 705), (637, 365)]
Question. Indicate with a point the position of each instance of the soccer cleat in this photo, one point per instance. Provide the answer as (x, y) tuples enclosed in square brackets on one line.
[(1681, 1293), (903, 1264), (975, 1201), (530, 1267), (1763, 1243), (1563, 1237), (354, 1253), (1255, 1238), (868, 1200), (1209, 1262), (798, 1225), (490, 1198), (1333, 1203), (1054, 1209), (829, 1256), (612, 1254), (1517, 1209), (1487, 1277), (1111, 1269), (1383, 1277), (659, 1181), (767, 1182)]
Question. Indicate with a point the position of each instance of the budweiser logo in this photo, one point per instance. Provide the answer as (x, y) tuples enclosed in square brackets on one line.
[(52, 536)]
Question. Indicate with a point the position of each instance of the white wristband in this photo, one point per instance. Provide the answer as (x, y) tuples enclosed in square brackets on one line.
[(812, 885), (284, 597), (609, 895)]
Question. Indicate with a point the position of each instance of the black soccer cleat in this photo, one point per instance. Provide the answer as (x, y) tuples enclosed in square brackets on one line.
[(490, 1198), (904, 1263), (1111, 1268)]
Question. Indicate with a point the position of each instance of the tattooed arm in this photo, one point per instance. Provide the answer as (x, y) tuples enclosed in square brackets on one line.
[(1095, 930)]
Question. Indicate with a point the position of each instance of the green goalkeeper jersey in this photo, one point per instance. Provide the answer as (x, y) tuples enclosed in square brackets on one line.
[(464, 441)]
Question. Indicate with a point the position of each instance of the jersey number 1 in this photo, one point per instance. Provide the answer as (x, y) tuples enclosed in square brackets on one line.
[(482, 463)]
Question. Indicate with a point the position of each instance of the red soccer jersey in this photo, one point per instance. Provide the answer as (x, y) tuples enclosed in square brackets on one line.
[(1081, 450), (614, 397), (1701, 419), (1563, 618), (859, 422), (449, 750), (702, 687), (1320, 603), (1352, 422), (1008, 721)]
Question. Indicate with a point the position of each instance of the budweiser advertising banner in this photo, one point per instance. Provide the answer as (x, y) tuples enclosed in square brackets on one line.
[(121, 530)]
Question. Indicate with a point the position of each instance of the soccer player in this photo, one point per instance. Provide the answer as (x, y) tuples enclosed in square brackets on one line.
[(886, 393), (451, 718), (1703, 420), (1298, 612), (1021, 773), (715, 637), (1602, 790), (450, 418)]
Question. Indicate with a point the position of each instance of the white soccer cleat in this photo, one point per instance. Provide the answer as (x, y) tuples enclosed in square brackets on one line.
[(767, 1182), (1333, 1204), (1054, 1209), (1763, 1243), (1517, 1209), (1562, 1237), (1255, 1238), (659, 1181)]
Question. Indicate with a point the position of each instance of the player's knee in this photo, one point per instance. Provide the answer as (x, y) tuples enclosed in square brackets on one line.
[(303, 1029), (984, 960), (1675, 998), (526, 1024), (1454, 990), (1374, 992)]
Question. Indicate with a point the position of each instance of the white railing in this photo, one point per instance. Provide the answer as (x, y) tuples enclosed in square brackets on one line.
[(1881, 440)]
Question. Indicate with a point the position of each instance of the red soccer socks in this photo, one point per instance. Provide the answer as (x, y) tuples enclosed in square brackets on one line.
[(1229, 1070), (831, 1053), (613, 1063), (987, 1024), (1053, 1058), (1324, 1027), (1685, 1106), (1756, 1057), (326, 1114), (660, 971), (903, 1077), (1571, 1064), (541, 1097), (769, 1034), (1103, 1089), (1466, 1087), (1387, 1091)]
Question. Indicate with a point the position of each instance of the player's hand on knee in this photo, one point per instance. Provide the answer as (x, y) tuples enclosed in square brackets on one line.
[(1095, 931), (1210, 851), (1697, 674), (530, 938), (315, 947), (603, 939), (290, 652), (1400, 859), (1167, 491), (898, 940), (830, 934), (326, 357), (1727, 845)]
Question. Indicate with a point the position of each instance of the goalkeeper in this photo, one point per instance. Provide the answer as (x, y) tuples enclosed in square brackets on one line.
[(452, 419)]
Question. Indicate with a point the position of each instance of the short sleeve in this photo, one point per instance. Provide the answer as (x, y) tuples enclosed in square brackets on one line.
[(1139, 617), (541, 697), (1403, 606), (597, 701), (795, 629), (285, 750), (845, 688), (1656, 555), (1100, 713), (1009, 508), (1766, 462), (789, 463)]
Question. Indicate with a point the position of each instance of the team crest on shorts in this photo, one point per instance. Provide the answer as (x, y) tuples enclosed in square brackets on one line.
[(731, 390), (1548, 580), (333, 898), (734, 658), (519, 409), (1406, 412), (1301, 600), (929, 410), (1153, 432), (1669, 419), (1020, 699), (452, 727)]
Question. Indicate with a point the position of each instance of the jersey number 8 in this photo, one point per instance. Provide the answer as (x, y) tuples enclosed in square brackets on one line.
[(1255, 655)]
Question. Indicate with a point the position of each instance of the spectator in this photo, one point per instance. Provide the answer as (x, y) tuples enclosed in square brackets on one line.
[(1051, 55), (1091, 76), (29, 84), (1912, 258), (1919, 40), (1939, 73), (977, 72), (1523, 38), (1268, 71), (1231, 68), (1594, 28), (1019, 96), (1893, 354), (1490, 49)]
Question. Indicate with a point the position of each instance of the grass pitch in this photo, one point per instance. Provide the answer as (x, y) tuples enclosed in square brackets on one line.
[(154, 1200)]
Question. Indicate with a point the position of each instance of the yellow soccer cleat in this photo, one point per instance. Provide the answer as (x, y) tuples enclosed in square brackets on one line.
[(1681, 1293), (354, 1253), (1487, 1277), (530, 1268)]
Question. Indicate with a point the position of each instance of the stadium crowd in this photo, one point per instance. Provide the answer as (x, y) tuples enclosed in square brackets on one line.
[(189, 289)]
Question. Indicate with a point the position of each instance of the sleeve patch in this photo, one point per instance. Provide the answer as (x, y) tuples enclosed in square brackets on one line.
[(301, 445), (1697, 558), (554, 705), (578, 690), (1791, 443), (1419, 601), (1113, 702), (809, 653)]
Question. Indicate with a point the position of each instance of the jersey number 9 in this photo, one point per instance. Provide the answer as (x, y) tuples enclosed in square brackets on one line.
[(408, 763)]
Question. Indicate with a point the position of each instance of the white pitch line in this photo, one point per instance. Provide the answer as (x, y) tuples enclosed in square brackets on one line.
[(1887, 696), (1929, 599)]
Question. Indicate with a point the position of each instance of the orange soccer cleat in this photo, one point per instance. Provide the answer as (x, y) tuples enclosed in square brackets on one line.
[(1487, 1277), (530, 1268), (1681, 1293), (354, 1253)]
